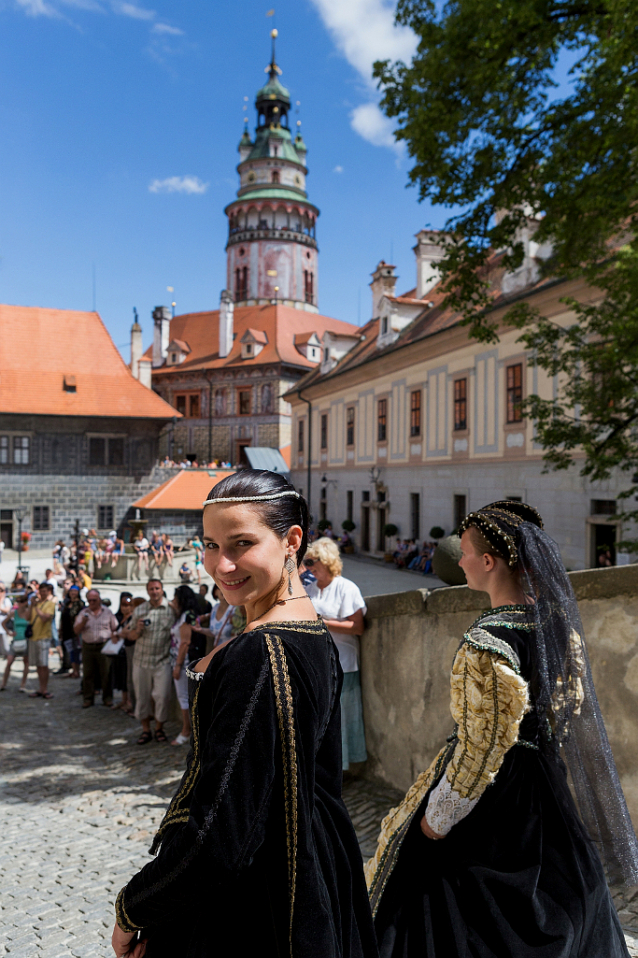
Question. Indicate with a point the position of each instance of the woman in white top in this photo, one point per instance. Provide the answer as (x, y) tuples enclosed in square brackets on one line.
[(226, 621), (341, 605)]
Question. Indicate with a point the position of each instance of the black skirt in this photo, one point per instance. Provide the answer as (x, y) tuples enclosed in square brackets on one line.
[(517, 878)]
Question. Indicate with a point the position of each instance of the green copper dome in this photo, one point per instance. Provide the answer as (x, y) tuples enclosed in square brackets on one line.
[(274, 90)]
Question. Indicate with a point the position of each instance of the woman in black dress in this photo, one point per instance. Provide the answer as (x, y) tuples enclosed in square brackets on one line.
[(256, 854), (488, 855)]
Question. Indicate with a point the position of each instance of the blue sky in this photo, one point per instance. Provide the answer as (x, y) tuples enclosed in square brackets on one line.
[(101, 98)]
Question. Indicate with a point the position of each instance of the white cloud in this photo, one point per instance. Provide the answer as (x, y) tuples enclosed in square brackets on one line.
[(364, 31), (178, 184), (37, 8), (165, 28), (369, 122), (338, 169), (132, 10)]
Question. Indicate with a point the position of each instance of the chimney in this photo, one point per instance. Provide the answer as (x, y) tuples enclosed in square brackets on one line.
[(145, 367), (383, 284), (136, 346), (161, 331), (226, 311), (428, 252)]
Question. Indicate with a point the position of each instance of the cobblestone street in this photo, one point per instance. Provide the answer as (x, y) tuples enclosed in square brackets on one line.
[(78, 807)]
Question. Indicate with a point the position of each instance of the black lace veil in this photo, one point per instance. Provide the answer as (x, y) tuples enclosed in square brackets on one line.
[(567, 707)]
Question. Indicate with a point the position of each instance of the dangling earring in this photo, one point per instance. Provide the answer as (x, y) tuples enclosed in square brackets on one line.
[(290, 566)]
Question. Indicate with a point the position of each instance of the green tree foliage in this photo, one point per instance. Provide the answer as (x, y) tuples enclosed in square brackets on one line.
[(478, 110)]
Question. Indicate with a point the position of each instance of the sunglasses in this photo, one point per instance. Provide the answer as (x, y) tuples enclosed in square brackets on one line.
[(309, 563)]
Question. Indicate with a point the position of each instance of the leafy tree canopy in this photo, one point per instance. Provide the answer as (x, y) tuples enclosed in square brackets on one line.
[(479, 112)]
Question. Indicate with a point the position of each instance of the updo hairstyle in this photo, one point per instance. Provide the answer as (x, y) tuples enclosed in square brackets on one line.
[(277, 514)]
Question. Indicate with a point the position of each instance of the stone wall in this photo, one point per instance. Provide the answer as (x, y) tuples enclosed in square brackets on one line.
[(408, 647)]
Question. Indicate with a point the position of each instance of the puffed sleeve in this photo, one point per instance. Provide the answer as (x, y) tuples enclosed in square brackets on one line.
[(223, 820), (488, 701)]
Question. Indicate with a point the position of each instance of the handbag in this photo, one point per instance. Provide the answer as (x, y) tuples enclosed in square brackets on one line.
[(28, 632), (19, 647), (112, 647)]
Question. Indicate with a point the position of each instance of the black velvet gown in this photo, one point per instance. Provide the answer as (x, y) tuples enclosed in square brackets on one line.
[(257, 854), (517, 877)]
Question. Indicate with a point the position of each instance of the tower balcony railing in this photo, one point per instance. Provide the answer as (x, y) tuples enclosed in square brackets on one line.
[(242, 235)]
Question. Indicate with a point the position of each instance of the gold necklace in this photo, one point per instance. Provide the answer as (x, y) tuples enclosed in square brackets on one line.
[(279, 602)]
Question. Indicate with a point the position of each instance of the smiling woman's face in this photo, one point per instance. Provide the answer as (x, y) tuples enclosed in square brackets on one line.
[(243, 556)]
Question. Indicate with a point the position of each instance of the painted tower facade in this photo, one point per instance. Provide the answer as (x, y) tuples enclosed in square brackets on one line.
[(272, 246)]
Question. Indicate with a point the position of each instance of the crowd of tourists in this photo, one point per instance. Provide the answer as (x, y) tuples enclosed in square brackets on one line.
[(185, 463), (141, 651), (409, 555)]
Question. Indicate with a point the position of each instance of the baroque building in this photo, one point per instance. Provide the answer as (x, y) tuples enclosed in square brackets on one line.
[(225, 370), (418, 423)]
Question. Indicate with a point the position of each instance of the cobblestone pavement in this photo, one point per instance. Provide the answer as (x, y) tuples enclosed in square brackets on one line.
[(79, 803)]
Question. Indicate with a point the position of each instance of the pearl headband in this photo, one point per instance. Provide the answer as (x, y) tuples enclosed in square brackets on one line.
[(277, 495)]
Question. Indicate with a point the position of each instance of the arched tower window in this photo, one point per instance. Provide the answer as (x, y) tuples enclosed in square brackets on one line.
[(308, 280), (275, 176)]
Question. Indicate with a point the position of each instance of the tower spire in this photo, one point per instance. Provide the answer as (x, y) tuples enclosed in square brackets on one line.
[(272, 69)]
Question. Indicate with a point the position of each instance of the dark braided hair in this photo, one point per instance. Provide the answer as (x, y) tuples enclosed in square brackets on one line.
[(278, 514)]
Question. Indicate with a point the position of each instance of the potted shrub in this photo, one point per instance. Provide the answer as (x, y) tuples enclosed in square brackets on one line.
[(348, 526), (389, 530), (25, 538), (323, 524), (436, 532)]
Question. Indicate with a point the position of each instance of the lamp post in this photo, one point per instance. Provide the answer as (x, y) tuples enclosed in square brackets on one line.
[(20, 515)]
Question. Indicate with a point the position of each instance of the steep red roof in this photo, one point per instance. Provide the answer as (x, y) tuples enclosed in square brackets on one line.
[(187, 489), (279, 323), (62, 362)]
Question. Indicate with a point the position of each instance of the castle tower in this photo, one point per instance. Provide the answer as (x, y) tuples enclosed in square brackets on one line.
[(271, 249)]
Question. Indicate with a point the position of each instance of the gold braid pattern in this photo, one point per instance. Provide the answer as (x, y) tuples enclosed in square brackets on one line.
[(286, 718), (178, 810)]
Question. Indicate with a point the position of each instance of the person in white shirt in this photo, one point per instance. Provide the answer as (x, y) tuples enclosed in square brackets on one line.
[(342, 607)]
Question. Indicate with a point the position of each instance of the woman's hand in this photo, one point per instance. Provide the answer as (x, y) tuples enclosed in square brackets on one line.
[(126, 945), (428, 832), (177, 671)]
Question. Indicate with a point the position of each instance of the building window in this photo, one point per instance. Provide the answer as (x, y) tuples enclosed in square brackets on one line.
[(275, 176), (244, 402), (188, 404), (460, 404), (41, 521), (309, 281), (415, 414), (415, 515), (21, 450), (97, 451), (514, 392), (603, 507), (105, 515), (460, 510), (350, 426), (324, 431), (180, 404), (4, 450), (382, 420), (193, 406), (106, 451), (384, 325), (241, 283), (300, 435), (350, 505)]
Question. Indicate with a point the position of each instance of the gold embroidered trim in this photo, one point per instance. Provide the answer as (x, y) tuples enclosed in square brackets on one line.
[(394, 827), (483, 640), (286, 718), (121, 917), (176, 813), (318, 625)]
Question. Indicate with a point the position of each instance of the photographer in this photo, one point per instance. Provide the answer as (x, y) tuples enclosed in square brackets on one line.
[(150, 629), (95, 625)]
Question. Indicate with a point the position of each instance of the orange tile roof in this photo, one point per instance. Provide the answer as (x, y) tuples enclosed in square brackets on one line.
[(42, 349), (285, 452), (187, 489), (280, 324)]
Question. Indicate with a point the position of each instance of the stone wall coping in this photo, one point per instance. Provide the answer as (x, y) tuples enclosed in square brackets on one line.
[(587, 583)]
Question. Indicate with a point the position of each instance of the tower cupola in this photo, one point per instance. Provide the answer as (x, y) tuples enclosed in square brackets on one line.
[(272, 246)]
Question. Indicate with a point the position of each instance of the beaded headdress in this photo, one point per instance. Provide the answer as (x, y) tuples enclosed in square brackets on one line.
[(276, 495), (499, 522)]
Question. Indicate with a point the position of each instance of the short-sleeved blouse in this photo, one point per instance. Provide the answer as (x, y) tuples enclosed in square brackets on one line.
[(338, 600)]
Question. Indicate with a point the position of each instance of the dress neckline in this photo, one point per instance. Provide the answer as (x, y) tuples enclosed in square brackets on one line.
[(501, 610)]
